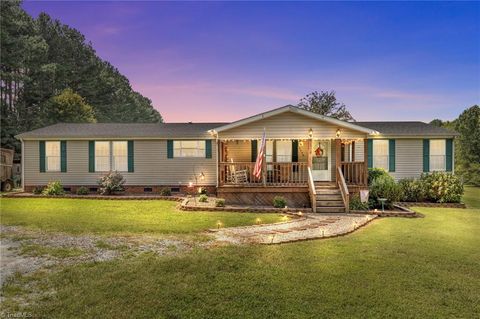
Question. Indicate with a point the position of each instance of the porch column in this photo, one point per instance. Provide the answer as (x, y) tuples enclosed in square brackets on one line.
[(338, 157), (365, 161), (309, 152)]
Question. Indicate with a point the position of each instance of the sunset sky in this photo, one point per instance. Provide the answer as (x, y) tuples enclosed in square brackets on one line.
[(217, 61)]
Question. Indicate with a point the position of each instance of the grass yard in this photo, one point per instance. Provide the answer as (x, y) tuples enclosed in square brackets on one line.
[(472, 196), (79, 216)]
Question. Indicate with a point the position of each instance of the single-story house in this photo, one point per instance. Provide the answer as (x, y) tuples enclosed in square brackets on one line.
[(310, 159)]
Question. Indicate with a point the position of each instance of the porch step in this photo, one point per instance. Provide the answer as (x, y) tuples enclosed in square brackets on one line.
[(330, 209), (335, 197), (322, 191), (329, 203)]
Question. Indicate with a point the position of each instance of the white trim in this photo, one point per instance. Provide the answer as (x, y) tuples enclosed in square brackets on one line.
[(23, 164), (291, 108)]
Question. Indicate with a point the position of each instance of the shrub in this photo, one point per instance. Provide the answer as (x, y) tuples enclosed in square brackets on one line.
[(442, 187), (203, 198), (37, 190), (384, 186), (356, 203), (279, 202), (166, 192), (376, 172), (202, 190), (111, 183), (53, 188), (220, 202), (412, 190), (82, 191)]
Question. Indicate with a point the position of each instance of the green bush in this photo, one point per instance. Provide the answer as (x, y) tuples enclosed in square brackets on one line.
[(220, 202), (412, 190), (53, 188), (37, 190), (384, 186), (376, 172), (111, 183), (203, 198), (82, 191), (442, 187), (279, 202), (356, 203), (166, 192)]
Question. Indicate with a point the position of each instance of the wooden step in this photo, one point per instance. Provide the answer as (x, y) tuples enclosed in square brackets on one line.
[(329, 197), (328, 191), (329, 203), (330, 209)]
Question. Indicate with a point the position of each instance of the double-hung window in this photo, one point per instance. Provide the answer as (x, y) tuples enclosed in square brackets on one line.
[(120, 156), (437, 155), (380, 154), (189, 148), (284, 151), (102, 156), (52, 156)]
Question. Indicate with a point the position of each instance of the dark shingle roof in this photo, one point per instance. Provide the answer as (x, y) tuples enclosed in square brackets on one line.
[(123, 130), (407, 129)]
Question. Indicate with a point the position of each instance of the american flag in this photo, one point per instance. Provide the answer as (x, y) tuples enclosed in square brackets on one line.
[(257, 171)]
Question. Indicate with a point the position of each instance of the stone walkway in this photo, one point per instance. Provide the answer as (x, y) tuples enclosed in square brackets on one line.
[(312, 226)]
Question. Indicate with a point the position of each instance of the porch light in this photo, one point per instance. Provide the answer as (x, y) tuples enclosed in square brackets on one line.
[(310, 133), (338, 132)]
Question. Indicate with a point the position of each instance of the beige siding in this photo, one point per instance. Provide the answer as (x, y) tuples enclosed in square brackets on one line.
[(288, 125), (409, 158), (150, 164)]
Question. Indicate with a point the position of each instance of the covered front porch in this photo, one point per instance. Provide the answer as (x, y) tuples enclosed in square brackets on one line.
[(292, 162)]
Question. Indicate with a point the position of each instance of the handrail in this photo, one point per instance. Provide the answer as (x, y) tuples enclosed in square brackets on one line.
[(311, 191), (343, 189)]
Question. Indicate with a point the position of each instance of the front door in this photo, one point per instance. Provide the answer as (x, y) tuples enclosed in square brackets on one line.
[(321, 170)]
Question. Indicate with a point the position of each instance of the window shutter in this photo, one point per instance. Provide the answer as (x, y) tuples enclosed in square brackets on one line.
[(169, 148), (391, 155), (254, 150), (426, 156), (63, 156), (42, 155), (130, 156), (294, 150), (91, 156), (449, 154), (370, 153), (208, 148)]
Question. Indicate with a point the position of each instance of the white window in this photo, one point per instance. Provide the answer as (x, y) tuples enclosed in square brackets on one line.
[(284, 151), (120, 156), (52, 156), (268, 154), (189, 148), (380, 154), (102, 156), (437, 155)]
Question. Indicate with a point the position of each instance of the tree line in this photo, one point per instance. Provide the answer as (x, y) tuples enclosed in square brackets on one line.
[(50, 74)]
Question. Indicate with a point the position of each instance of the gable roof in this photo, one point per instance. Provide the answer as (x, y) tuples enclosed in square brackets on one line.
[(407, 128), (294, 109), (122, 130)]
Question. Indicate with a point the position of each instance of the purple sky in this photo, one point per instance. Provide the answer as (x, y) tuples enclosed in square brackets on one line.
[(215, 61)]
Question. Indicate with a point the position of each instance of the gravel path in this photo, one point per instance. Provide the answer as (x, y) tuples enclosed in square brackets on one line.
[(311, 227)]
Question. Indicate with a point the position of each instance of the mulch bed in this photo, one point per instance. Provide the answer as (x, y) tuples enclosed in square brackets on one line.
[(97, 196)]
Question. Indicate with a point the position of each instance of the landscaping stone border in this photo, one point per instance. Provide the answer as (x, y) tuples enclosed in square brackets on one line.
[(426, 204), (104, 197), (242, 209)]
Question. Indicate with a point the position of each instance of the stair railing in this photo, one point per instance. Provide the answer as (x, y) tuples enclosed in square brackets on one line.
[(311, 191), (343, 189)]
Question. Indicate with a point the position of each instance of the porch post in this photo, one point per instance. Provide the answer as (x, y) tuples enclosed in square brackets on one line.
[(309, 152), (338, 156), (365, 161)]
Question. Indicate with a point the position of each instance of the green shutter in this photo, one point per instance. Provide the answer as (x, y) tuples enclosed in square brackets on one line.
[(449, 154), (130, 156), (294, 150), (370, 153), (42, 156), (426, 156), (254, 150), (391, 155), (208, 148), (91, 156), (169, 148), (63, 156)]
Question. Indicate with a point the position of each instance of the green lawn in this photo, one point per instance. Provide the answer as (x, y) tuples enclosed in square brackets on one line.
[(472, 196), (117, 216)]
